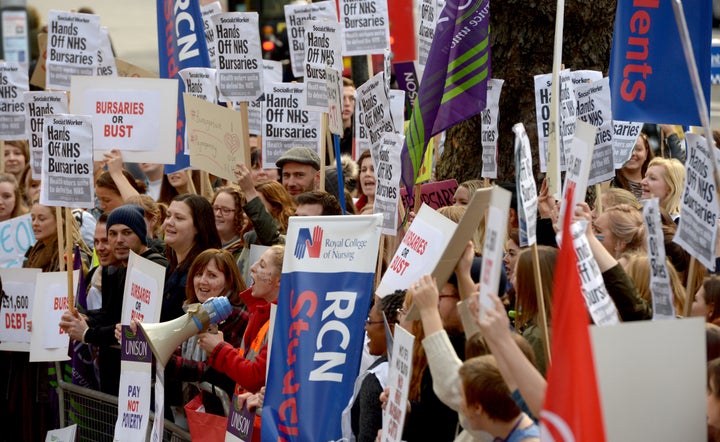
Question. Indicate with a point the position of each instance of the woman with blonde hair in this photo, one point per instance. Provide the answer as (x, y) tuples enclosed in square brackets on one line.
[(620, 229), (665, 179), (16, 156), (638, 269), (611, 197), (455, 213), (11, 201), (154, 217), (464, 192)]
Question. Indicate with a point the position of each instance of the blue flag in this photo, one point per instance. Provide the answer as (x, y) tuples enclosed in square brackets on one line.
[(454, 84), (181, 44), (649, 77)]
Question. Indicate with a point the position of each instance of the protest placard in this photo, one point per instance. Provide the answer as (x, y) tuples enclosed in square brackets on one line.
[(296, 15), (237, 43), (593, 107), (272, 73), (374, 107), (208, 11), (134, 393), (647, 356), (365, 26), (489, 129), (126, 69), (286, 124), (419, 251), (142, 295), (72, 47), (525, 188), (67, 165), (17, 304), (322, 49), (16, 237), (493, 248), (697, 232), (15, 34), (585, 77), (328, 273), (214, 137), (335, 100), (543, 89), (240, 423), (135, 115), (387, 171), (49, 342), (436, 194), (407, 81), (427, 19), (663, 306), (396, 97), (200, 83), (66, 434), (399, 379), (37, 106), (578, 169), (106, 60), (597, 299), (13, 83), (625, 135)]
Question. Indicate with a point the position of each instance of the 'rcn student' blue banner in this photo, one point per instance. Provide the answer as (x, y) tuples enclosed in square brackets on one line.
[(325, 293), (181, 44), (649, 77)]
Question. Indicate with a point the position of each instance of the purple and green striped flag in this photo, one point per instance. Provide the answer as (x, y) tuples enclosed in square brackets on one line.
[(454, 84)]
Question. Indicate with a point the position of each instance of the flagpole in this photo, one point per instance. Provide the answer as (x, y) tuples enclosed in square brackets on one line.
[(61, 238), (554, 144), (542, 319), (323, 148)]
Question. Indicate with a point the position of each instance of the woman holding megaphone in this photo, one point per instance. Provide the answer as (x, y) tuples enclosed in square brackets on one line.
[(246, 365)]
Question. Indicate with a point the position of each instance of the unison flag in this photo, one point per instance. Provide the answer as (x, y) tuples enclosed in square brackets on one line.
[(571, 411), (181, 44), (649, 77), (325, 292), (454, 84)]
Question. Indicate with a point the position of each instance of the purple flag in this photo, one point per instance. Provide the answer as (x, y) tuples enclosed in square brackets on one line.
[(454, 84)]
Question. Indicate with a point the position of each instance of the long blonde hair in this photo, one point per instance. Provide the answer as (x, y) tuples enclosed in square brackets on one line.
[(638, 269)]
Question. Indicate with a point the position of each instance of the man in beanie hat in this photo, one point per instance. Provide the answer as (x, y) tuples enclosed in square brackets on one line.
[(127, 231), (300, 170)]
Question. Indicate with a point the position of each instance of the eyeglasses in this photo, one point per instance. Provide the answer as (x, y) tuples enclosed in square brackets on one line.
[(368, 322), (223, 210)]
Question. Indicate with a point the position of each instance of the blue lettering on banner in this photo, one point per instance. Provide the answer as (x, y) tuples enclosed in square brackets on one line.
[(316, 350), (16, 237)]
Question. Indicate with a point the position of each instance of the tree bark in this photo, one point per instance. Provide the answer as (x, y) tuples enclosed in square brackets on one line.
[(521, 36)]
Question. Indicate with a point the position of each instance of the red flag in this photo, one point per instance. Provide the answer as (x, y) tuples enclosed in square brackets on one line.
[(572, 409)]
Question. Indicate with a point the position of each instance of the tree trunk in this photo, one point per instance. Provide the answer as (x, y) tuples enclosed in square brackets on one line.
[(521, 36)]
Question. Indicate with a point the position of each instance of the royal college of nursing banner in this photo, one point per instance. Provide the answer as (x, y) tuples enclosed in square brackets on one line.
[(325, 293)]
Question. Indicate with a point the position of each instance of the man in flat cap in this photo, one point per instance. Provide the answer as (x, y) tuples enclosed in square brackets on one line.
[(300, 170)]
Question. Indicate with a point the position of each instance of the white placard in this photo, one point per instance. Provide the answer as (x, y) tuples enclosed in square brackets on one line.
[(66, 434), (16, 237), (67, 163), (697, 231), (37, 106), (585, 77), (49, 342), (208, 11), (142, 296), (17, 305), (489, 129), (427, 19), (296, 15), (200, 82), (133, 399), (374, 108), (13, 84), (15, 35), (365, 26), (397, 109), (286, 124), (322, 49), (645, 357), (662, 295), (597, 299), (272, 73), (399, 375), (335, 100), (161, 119), (237, 43), (73, 44), (625, 135), (106, 61), (578, 166), (543, 89), (419, 252), (526, 189), (593, 107), (388, 166), (495, 233)]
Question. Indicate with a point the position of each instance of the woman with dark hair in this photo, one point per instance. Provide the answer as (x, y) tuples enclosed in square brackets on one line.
[(213, 273), (227, 205), (277, 201), (629, 177), (713, 399), (16, 157), (366, 183), (707, 300), (108, 193)]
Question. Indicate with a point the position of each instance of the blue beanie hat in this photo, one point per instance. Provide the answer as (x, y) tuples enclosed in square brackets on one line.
[(132, 216)]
